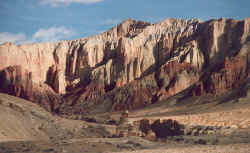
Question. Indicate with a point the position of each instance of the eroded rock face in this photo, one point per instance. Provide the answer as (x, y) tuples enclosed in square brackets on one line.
[(19, 82), (133, 64)]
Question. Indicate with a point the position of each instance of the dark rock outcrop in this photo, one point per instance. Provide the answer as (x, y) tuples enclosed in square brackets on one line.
[(167, 128)]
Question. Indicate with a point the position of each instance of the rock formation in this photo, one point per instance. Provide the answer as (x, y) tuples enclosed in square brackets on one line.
[(130, 66)]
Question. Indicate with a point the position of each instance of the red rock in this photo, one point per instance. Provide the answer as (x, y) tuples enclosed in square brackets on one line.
[(18, 82), (130, 66)]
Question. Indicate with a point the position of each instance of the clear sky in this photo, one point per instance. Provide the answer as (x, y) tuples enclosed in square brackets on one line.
[(28, 21)]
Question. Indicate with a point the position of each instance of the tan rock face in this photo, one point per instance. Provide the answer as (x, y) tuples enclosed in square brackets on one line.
[(135, 63)]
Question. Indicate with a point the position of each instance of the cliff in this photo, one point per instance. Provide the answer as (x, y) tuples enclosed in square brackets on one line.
[(130, 66)]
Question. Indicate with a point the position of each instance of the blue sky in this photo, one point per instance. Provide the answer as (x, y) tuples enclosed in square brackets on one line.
[(28, 21)]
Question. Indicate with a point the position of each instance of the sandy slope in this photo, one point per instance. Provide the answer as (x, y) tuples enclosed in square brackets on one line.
[(21, 120), (17, 122)]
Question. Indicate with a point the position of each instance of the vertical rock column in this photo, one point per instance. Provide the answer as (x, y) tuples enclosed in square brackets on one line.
[(56, 79)]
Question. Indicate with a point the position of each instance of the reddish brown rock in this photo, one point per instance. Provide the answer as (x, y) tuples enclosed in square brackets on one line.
[(18, 82), (132, 65)]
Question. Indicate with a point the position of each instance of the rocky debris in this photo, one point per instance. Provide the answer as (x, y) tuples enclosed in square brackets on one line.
[(208, 130), (132, 65), (216, 137)]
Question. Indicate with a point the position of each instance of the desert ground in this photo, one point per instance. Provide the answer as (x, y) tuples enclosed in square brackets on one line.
[(27, 128)]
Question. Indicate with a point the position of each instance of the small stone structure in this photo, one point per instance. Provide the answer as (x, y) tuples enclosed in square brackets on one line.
[(125, 128), (146, 128)]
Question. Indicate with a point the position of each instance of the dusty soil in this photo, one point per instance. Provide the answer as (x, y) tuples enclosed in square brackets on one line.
[(236, 148), (21, 120), (27, 128), (207, 111), (123, 145)]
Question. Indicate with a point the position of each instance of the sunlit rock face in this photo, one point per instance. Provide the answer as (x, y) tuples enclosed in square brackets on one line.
[(130, 66)]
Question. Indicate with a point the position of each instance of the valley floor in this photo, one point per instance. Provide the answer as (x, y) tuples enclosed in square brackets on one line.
[(234, 113), (236, 148), (26, 128), (122, 145)]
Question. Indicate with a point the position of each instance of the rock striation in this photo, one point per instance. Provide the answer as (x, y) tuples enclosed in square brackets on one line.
[(130, 66)]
